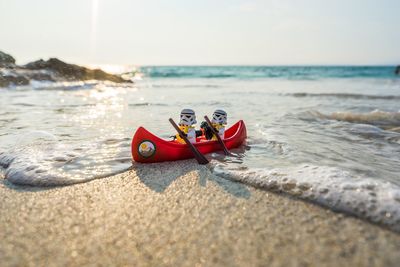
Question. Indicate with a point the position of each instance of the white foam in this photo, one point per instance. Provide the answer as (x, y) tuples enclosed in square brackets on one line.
[(43, 161), (375, 200)]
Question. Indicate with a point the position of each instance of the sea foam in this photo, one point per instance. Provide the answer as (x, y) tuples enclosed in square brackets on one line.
[(375, 200), (44, 161)]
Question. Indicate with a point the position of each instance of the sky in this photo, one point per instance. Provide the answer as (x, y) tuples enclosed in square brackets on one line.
[(206, 32)]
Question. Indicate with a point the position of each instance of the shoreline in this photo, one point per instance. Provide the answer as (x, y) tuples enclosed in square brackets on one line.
[(180, 214)]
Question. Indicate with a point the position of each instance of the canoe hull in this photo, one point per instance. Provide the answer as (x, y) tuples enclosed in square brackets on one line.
[(148, 148)]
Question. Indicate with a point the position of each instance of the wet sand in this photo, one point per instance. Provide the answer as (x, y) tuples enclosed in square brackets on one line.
[(179, 214)]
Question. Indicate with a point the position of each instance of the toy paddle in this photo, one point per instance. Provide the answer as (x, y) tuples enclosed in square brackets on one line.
[(218, 137), (199, 157)]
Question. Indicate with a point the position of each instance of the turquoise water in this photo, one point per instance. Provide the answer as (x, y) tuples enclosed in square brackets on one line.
[(278, 72), (330, 135)]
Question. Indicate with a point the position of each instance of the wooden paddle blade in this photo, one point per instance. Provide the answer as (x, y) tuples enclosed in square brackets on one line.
[(218, 137), (199, 157)]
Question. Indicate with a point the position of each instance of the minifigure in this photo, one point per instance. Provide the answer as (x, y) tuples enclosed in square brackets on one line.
[(186, 124), (219, 121)]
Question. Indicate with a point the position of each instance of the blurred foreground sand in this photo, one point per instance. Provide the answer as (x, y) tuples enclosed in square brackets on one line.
[(179, 214)]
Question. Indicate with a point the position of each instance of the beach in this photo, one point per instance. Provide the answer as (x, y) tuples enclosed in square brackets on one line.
[(180, 214), (304, 94)]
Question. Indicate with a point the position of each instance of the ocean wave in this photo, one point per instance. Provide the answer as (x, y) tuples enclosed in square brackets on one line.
[(347, 96), (376, 117), (69, 86), (279, 72), (382, 119), (374, 200), (188, 75)]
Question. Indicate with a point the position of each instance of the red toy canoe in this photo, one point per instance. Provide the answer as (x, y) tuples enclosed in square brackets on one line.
[(148, 148)]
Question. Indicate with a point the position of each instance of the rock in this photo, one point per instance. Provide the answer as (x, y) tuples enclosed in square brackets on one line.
[(7, 80), (18, 76), (50, 70), (41, 76), (6, 60), (73, 72), (397, 71), (3, 82), (36, 65)]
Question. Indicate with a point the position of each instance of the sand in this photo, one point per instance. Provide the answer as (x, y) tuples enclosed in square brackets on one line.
[(179, 214)]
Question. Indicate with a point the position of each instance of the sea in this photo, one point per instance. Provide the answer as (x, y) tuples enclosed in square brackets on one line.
[(325, 134)]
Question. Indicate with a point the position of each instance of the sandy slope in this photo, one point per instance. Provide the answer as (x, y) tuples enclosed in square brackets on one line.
[(180, 215)]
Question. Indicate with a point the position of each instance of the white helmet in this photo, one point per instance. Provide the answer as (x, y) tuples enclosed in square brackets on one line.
[(219, 116), (188, 117)]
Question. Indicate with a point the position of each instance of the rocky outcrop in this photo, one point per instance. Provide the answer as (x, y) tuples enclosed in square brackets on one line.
[(19, 76), (73, 72), (6, 60), (397, 71), (50, 70), (7, 80)]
